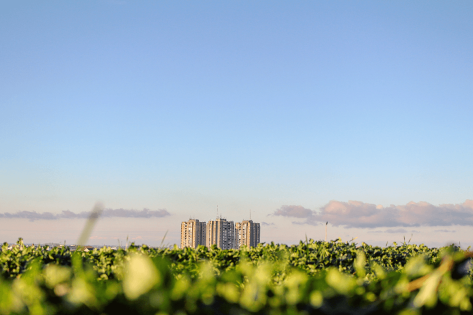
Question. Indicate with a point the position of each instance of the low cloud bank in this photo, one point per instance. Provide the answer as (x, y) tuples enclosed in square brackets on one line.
[(395, 231), (66, 214), (357, 214)]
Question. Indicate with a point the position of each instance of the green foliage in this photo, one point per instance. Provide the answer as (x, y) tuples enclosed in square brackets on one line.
[(311, 277)]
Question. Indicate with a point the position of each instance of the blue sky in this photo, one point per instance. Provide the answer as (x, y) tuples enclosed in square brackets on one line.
[(248, 105)]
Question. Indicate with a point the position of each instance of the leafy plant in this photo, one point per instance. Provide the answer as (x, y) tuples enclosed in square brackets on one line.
[(311, 277)]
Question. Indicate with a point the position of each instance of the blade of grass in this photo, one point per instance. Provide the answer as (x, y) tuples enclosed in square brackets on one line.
[(90, 223), (162, 241)]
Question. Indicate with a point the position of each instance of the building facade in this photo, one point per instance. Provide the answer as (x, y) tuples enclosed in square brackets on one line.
[(193, 233), (221, 233), (247, 233)]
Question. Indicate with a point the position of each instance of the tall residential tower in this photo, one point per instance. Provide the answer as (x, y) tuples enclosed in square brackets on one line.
[(221, 233), (247, 233), (192, 233)]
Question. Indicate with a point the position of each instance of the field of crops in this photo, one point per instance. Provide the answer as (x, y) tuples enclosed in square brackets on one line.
[(308, 278)]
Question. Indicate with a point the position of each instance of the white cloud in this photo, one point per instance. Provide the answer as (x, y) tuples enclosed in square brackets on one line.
[(404, 231), (293, 211), (66, 214), (357, 214)]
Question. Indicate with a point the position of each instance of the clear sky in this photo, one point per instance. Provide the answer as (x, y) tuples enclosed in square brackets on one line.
[(290, 109)]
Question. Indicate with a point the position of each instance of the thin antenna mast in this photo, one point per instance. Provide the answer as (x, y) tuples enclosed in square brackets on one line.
[(217, 211), (250, 214)]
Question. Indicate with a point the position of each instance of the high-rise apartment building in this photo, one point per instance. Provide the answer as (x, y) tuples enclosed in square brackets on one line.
[(247, 233), (192, 233), (221, 233)]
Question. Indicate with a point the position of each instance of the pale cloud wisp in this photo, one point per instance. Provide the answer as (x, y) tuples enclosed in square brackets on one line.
[(66, 214), (357, 214)]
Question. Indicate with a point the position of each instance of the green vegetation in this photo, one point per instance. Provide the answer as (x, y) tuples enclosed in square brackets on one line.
[(312, 277)]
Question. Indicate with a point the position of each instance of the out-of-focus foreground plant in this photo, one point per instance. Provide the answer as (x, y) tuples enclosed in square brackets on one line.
[(270, 279)]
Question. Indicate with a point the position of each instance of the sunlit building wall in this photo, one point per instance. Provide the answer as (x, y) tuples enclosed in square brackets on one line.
[(247, 233), (192, 233), (221, 233)]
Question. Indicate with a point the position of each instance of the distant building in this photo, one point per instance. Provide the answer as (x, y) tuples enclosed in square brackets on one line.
[(88, 248), (247, 233), (221, 233), (193, 233), (52, 244)]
